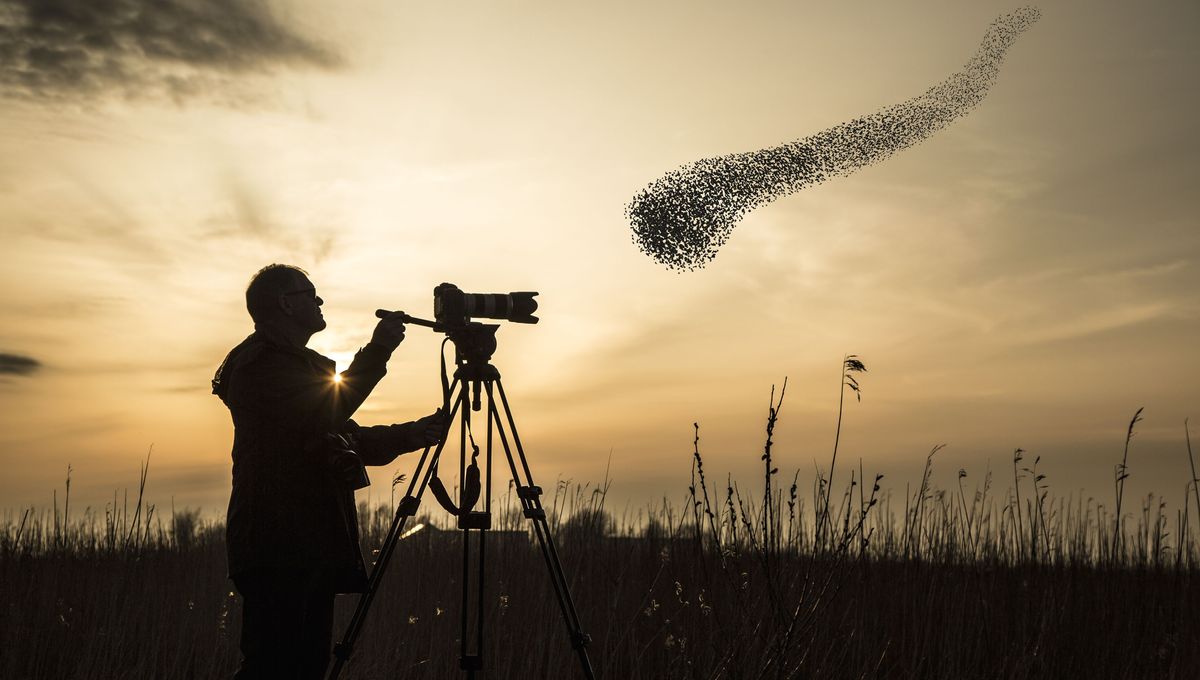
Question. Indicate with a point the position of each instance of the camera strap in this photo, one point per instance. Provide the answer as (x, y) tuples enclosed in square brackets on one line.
[(471, 485)]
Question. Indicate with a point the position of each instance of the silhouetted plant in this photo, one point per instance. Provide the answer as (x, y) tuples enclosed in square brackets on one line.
[(850, 364), (1120, 474), (769, 538), (1195, 480)]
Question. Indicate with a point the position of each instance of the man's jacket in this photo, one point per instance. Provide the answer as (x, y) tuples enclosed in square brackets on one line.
[(289, 509)]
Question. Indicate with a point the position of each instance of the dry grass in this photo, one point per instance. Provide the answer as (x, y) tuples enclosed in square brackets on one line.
[(959, 583)]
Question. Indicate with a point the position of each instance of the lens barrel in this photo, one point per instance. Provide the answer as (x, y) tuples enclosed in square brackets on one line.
[(451, 304), (516, 307)]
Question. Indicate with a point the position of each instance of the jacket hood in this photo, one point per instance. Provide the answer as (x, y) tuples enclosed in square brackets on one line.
[(220, 381)]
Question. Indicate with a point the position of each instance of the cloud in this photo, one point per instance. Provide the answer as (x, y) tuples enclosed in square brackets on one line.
[(55, 49), (1094, 322), (15, 364), (249, 213)]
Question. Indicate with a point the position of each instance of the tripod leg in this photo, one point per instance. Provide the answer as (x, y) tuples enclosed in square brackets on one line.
[(406, 508), (531, 503), (477, 524), (471, 655)]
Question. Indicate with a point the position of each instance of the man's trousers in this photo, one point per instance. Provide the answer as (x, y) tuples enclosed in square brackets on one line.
[(287, 624)]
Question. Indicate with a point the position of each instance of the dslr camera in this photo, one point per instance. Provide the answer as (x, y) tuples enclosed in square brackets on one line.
[(452, 308)]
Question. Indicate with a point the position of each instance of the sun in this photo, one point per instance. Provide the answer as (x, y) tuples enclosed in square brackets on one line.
[(337, 378)]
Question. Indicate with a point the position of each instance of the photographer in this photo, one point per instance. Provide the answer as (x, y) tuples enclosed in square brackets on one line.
[(292, 529)]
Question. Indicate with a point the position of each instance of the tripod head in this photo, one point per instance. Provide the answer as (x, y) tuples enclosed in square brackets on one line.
[(474, 342)]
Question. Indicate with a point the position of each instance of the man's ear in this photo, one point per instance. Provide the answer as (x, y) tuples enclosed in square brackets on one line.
[(285, 305)]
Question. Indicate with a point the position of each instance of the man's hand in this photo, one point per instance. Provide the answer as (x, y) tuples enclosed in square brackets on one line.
[(389, 332), (432, 427)]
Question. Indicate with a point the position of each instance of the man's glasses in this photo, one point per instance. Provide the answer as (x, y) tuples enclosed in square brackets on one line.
[(312, 292)]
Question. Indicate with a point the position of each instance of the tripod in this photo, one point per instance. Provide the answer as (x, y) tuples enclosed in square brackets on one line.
[(476, 380)]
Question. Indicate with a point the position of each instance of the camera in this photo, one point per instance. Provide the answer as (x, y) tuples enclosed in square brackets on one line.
[(453, 311), (452, 308)]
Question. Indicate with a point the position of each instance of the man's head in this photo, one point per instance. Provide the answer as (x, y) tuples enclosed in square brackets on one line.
[(281, 295)]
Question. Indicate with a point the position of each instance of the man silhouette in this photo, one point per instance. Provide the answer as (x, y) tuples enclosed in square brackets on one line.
[(292, 529)]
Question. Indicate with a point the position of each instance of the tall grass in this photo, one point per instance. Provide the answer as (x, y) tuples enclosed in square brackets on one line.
[(861, 582)]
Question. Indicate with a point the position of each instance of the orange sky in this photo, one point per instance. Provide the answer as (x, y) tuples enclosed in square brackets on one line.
[(1024, 278)]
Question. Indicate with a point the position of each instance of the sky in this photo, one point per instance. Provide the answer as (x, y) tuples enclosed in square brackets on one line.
[(1024, 278)]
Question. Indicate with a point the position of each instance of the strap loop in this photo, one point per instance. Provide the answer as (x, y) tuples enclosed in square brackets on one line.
[(471, 485)]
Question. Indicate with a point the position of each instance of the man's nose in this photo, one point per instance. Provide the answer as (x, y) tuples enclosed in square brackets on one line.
[(319, 300)]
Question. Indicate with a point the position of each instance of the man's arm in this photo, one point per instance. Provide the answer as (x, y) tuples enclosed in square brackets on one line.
[(284, 388), (381, 444)]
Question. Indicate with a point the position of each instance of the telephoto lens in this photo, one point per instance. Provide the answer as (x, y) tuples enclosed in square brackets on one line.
[(451, 305)]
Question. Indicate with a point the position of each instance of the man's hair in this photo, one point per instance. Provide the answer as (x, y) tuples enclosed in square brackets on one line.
[(266, 286)]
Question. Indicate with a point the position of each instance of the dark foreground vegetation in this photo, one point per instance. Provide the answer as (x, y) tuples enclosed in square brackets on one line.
[(953, 584), (660, 605)]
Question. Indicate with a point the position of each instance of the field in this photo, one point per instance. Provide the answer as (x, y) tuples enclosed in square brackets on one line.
[(771, 584)]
